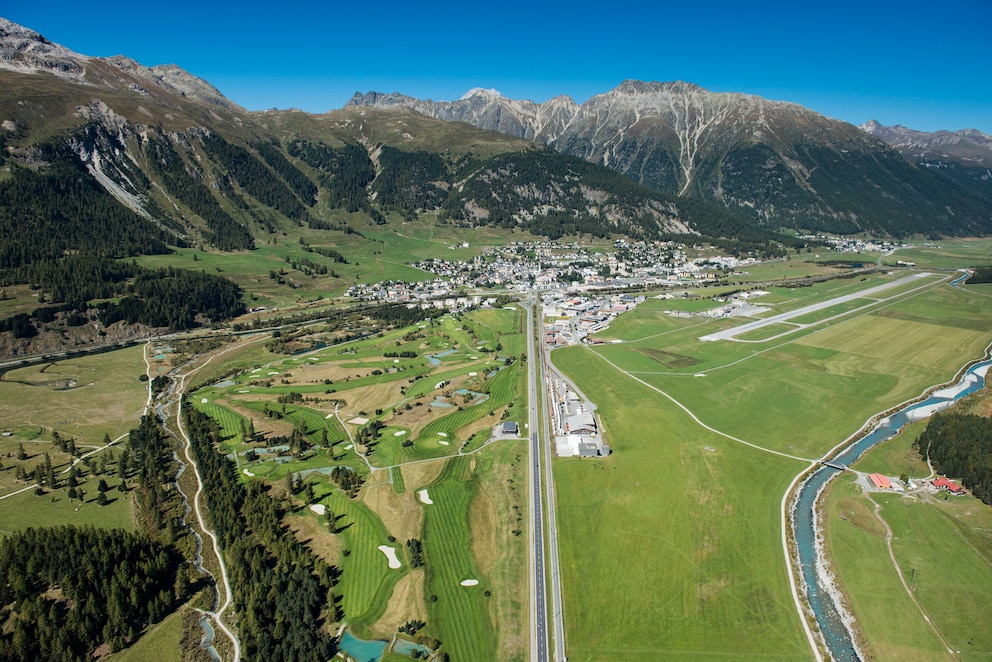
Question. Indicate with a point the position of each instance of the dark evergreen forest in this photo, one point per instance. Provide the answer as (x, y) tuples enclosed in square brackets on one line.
[(73, 589), (960, 446), (283, 593), (60, 209)]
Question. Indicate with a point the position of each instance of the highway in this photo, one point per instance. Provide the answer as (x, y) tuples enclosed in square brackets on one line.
[(538, 423), (538, 589)]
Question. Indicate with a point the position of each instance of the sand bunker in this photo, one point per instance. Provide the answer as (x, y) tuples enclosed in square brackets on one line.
[(424, 497), (390, 553), (442, 434), (399, 433), (469, 582), (349, 447), (203, 401), (331, 415), (247, 473), (442, 442), (319, 508)]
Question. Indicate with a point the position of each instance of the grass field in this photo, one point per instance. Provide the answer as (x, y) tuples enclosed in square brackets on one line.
[(675, 505), (460, 612), (84, 397), (158, 643), (24, 510), (890, 622), (671, 546), (381, 253), (946, 254), (838, 375), (944, 550)]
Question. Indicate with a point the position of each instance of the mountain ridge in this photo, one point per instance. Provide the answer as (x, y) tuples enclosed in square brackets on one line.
[(964, 155), (778, 162), (172, 148)]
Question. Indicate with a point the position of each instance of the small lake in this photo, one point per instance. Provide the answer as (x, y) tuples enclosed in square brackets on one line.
[(361, 650), (372, 651)]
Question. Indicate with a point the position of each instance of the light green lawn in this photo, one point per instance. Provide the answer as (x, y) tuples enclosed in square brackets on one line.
[(670, 550), (838, 376), (889, 620)]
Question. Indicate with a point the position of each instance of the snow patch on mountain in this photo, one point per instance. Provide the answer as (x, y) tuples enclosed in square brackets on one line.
[(482, 92)]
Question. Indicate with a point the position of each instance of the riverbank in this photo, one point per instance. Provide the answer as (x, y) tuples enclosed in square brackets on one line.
[(837, 629)]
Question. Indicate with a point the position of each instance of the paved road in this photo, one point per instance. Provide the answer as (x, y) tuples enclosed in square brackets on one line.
[(557, 611), (538, 588), (870, 293), (544, 563)]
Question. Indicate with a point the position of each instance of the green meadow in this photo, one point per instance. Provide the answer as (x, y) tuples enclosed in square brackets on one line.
[(945, 254), (942, 545), (835, 374), (670, 547), (86, 399), (656, 540), (944, 550)]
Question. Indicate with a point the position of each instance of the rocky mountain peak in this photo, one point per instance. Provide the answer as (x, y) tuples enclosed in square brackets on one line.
[(968, 147), (27, 51), (483, 93)]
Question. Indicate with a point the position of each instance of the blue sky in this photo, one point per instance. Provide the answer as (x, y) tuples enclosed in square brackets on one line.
[(922, 65)]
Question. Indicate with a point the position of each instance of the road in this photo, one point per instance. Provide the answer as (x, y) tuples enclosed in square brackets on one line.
[(179, 393), (538, 588), (538, 424)]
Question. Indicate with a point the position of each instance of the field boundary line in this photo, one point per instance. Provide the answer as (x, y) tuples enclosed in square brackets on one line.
[(696, 418), (821, 326)]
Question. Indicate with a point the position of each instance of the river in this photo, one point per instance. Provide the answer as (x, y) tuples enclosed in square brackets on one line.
[(805, 527)]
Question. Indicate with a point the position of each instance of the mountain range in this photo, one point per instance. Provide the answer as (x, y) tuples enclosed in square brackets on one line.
[(779, 163), (121, 158), (965, 155)]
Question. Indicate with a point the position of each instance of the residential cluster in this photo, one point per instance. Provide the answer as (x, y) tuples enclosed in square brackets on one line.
[(526, 266), (854, 245)]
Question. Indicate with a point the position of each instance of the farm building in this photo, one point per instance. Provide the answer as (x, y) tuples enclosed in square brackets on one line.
[(880, 482), (942, 484)]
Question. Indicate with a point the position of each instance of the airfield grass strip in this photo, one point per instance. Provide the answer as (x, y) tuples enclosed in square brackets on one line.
[(460, 614)]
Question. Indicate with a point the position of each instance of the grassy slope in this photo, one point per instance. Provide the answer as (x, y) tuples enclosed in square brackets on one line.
[(946, 542), (836, 377)]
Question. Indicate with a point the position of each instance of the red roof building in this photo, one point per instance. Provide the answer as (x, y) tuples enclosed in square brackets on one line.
[(880, 482), (944, 484)]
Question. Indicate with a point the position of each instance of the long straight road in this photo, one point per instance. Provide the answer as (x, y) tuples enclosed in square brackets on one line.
[(538, 588), (540, 563)]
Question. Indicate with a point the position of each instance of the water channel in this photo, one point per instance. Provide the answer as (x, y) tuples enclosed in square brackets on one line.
[(835, 632)]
